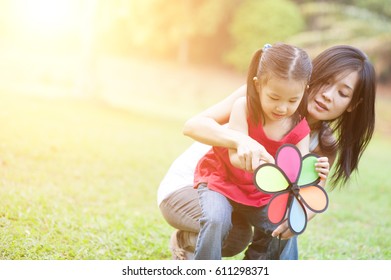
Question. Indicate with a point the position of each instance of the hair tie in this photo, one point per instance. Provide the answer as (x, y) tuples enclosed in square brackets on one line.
[(266, 46)]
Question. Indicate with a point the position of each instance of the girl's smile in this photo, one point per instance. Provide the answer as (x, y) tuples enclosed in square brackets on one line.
[(278, 116)]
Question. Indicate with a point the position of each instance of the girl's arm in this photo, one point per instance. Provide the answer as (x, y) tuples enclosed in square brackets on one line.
[(207, 128), (238, 122), (249, 155), (304, 145)]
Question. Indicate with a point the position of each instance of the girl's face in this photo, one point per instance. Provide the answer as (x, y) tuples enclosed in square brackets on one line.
[(333, 98), (280, 98)]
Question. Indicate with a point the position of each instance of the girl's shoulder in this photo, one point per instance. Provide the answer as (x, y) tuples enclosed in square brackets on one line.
[(242, 100), (301, 125)]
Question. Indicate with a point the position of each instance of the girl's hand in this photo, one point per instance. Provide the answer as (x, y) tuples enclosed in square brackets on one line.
[(252, 154), (284, 230), (323, 167)]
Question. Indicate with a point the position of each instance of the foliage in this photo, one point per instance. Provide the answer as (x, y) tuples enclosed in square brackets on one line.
[(259, 22), (348, 21), (381, 7), (170, 29), (207, 31), (228, 32), (329, 23)]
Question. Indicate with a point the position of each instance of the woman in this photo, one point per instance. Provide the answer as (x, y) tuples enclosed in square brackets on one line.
[(341, 115)]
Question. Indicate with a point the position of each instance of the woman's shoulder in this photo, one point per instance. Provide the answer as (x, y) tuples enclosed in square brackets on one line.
[(326, 142), (327, 134)]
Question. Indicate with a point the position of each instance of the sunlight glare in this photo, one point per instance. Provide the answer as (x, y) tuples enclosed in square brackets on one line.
[(47, 16)]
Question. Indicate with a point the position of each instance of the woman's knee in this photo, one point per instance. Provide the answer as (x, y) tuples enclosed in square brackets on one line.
[(181, 209)]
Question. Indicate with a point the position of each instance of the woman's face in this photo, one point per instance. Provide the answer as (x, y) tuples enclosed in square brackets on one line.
[(333, 98)]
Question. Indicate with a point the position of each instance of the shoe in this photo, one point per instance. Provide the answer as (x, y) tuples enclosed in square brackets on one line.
[(179, 249)]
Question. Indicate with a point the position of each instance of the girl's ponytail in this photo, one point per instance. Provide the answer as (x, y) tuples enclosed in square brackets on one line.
[(253, 101)]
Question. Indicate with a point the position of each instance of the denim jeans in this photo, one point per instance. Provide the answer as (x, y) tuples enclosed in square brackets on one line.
[(215, 222), (263, 247), (181, 209)]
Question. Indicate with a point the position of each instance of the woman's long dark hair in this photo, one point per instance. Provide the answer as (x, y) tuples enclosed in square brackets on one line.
[(353, 129)]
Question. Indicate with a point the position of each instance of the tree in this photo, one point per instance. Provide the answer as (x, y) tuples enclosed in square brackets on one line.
[(331, 23), (381, 7), (260, 22), (168, 29)]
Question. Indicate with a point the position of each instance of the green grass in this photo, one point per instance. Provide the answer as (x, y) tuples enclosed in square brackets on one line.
[(78, 180), (357, 224)]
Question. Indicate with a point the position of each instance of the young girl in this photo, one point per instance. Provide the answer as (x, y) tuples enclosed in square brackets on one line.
[(270, 114)]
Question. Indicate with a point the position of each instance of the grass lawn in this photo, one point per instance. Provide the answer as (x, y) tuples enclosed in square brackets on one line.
[(78, 180), (357, 224)]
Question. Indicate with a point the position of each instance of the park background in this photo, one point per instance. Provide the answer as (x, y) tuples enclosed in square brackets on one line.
[(94, 95)]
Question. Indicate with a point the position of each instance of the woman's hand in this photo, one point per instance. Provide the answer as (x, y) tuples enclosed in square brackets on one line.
[(251, 154), (284, 230), (323, 167)]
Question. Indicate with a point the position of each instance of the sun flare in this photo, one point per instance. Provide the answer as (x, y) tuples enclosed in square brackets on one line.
[(46, 16)]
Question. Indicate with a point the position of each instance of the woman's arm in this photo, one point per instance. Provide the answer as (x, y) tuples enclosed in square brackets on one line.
[(206, 127)]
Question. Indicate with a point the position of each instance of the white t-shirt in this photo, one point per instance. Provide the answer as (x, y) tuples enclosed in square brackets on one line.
[(181, 172)]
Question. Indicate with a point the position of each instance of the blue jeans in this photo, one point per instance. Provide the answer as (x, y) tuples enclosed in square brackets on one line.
[(215, 223), (263, 247), (181, 209)]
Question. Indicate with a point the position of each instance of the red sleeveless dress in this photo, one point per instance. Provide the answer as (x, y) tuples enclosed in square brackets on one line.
[(216, 170)]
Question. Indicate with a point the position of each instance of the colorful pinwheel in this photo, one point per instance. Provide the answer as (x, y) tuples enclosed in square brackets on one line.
[(294, 182)]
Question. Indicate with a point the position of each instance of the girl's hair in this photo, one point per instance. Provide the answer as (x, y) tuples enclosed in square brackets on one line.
[(278, 61), (354, 129)]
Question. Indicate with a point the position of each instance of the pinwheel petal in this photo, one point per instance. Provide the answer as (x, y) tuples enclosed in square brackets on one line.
[(315, 198), (277, 207), (297, 218), (308, 174), (268, 178), (289, 160)]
